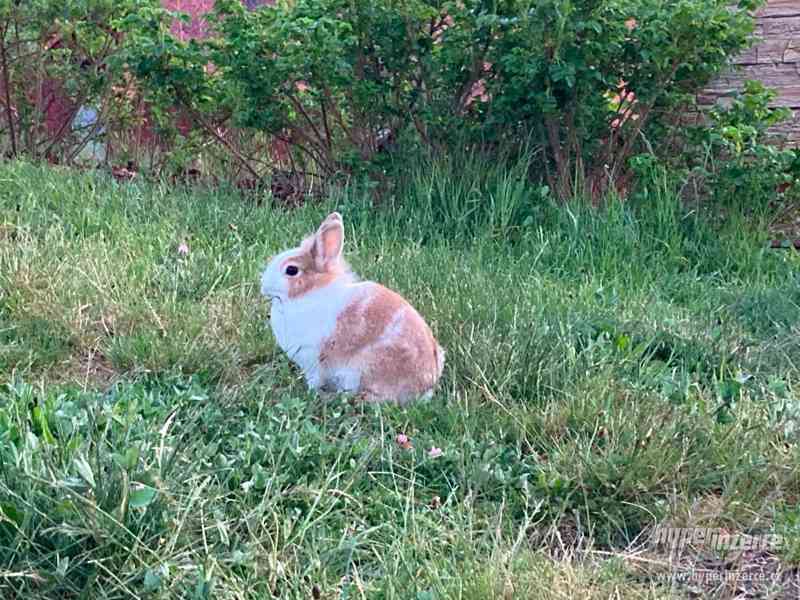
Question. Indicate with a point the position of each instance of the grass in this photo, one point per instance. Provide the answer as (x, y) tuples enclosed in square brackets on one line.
[(608, 371)]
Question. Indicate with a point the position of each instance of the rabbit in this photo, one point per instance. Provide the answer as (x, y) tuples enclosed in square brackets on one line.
[(348, 335)]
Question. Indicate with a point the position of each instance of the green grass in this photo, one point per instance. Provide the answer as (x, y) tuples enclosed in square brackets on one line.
[(607, 371)]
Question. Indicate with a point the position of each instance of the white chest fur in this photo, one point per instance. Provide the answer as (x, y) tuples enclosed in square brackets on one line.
[(301, 325)]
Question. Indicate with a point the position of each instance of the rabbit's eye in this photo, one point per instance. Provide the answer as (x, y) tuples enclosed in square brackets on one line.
[(291, 270)]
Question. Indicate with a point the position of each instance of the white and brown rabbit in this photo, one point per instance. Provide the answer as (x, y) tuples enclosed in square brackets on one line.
[(348, 335)]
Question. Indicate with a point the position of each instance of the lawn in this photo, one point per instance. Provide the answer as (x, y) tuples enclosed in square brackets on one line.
[(608, 371)]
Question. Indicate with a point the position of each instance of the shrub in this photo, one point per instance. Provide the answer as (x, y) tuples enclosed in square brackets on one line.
[(732, 156), (594, 80), (59, 90), (335, 81), (325, 89)]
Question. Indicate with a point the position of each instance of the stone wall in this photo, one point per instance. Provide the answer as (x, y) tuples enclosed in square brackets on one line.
[(774, 60)]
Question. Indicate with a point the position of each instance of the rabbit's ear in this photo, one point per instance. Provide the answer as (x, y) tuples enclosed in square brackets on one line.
[(328, 241)]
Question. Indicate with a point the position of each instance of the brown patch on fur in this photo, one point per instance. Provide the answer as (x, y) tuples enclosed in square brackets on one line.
[(403, 365)]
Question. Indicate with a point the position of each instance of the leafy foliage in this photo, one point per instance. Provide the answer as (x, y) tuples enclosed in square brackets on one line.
[(60, 89), (324, 91), (588, 81), (593, 80), (732, 156)]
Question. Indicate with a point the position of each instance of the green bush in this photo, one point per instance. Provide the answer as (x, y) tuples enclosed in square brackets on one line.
[(596, 80), (359, 89), (337, 81), (60, 89), (732, 156), (593, 82)]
